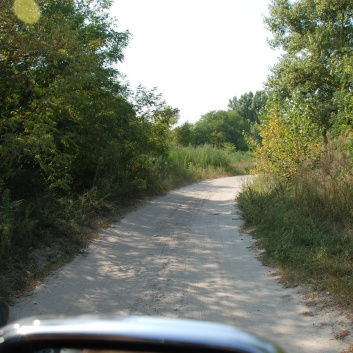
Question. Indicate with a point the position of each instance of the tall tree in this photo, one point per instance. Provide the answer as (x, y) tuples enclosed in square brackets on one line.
[(183, 135), (219, 127), (249, 105), (66, 121), (314, 36)]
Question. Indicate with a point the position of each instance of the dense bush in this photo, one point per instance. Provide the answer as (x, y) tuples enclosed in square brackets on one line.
[(72, 136)]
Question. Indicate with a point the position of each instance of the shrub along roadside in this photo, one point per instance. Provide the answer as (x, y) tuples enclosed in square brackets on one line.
[(39, 236), (303, 231), (302, 211)]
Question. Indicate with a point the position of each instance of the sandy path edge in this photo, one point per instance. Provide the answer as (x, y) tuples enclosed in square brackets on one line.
[(184, 255)]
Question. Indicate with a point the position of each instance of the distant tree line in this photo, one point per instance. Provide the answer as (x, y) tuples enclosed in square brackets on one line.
[(223, 128)]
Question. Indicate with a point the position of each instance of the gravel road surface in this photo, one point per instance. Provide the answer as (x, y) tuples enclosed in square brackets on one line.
[(184, 255)]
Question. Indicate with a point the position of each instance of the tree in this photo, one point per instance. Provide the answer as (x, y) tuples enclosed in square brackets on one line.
[(183, 135), (244, 106), (249, 105), (67, 123), (59, 95), (314, 36), (219, 127), (310, 89), (258, 103), (289, 138), (225, 127)]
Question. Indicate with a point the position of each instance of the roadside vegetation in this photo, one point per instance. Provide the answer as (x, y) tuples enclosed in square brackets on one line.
[(78, 145), (190, 164), (232, 128), (37, 237), (300, 206)]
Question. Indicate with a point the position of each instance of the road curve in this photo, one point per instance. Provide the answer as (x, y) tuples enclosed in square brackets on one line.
[(184, 255)]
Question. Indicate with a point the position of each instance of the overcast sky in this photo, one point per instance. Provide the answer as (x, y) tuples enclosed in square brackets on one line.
[(198, 53)]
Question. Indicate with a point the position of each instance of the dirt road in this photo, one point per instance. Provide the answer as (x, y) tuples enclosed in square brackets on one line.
[(183, 255)]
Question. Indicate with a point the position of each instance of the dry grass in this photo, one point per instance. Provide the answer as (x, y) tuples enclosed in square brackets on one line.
[(306, 224), (325, 189)]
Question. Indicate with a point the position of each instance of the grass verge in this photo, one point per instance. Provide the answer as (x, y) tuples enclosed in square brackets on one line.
[(303, 231)]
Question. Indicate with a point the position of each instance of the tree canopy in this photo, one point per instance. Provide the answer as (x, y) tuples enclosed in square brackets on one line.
[(223, 127), (310, 88), (66, 120), (316, 38)]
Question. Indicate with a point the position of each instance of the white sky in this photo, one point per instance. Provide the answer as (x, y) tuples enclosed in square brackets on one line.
[(198, 53)]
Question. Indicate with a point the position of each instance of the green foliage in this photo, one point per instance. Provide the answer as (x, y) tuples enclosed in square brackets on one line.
[(288, 137), (73, 137), (315, 36), (310, 88), (183, 135), (249, 105), (305, 229), (67, 124), (229, 147), (7, 221), (301, 206), (219, 128), (17, 227), (189, 164), (58, 89), (343, 97)]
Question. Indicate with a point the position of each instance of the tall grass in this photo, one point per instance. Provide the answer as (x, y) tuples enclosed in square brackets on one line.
[(189, 164), (306, 225)]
